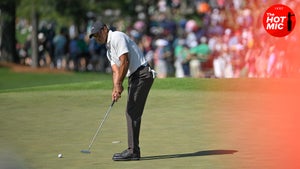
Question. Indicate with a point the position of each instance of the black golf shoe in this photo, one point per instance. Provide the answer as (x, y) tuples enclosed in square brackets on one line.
[(126, 155)]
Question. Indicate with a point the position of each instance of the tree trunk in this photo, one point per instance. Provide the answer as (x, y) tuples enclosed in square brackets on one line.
[(8, 51), (34, 39)]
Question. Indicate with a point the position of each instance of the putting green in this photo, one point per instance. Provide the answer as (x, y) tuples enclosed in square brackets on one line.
[(190, 128)]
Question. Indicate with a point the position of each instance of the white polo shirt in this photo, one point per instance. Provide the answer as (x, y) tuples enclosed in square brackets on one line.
[(118, 43)]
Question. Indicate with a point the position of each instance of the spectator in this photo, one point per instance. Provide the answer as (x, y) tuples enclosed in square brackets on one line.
[(160, 55), (250, 62), (98, 59), (199, 53), (146, 46), (182, 59), (271, 61), (72, 62), (59, 43), (83, 53)]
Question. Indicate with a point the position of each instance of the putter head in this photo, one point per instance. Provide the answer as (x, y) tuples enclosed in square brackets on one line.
[(85, 151)]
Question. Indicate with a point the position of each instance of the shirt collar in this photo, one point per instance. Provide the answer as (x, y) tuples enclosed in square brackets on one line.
[(108, 39)]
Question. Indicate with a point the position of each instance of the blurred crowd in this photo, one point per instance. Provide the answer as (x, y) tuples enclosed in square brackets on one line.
[(195, 38), (64, 50)]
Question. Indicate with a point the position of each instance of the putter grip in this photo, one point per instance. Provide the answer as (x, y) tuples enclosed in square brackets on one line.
[(113, 102)]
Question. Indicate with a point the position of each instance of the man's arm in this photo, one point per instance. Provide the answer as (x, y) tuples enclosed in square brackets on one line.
[(119, 74)]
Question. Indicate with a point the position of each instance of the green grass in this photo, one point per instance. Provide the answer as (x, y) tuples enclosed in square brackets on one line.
[(187, 123), (11, 81), (18, 82)]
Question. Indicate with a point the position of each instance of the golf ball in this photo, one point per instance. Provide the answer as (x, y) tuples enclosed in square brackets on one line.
[(116, 142), (59, 155)]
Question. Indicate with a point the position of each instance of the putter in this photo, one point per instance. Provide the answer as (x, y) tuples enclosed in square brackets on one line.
[(87, 151)]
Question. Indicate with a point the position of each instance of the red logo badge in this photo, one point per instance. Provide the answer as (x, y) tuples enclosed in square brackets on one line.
[(279, 20)]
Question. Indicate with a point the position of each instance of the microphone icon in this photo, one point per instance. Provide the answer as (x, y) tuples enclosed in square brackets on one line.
[(289, 21)]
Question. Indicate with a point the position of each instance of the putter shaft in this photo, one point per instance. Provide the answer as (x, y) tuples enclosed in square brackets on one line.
[(99, 128)]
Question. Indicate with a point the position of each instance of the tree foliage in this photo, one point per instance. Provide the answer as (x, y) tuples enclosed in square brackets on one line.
[(61, 12), (73, 11), (7, 33)]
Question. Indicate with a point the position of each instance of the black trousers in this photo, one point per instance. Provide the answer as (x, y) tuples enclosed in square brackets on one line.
[(139, 84)]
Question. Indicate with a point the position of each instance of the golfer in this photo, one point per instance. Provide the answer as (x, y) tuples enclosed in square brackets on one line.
[(127, 59)]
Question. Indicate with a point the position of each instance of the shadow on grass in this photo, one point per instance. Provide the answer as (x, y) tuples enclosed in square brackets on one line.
[(195, 154)]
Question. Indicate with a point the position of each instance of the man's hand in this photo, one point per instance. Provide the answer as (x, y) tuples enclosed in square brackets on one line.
[(117, 91)]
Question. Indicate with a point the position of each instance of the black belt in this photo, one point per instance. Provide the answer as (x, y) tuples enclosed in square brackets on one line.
[(142, 67), (139, 69)]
